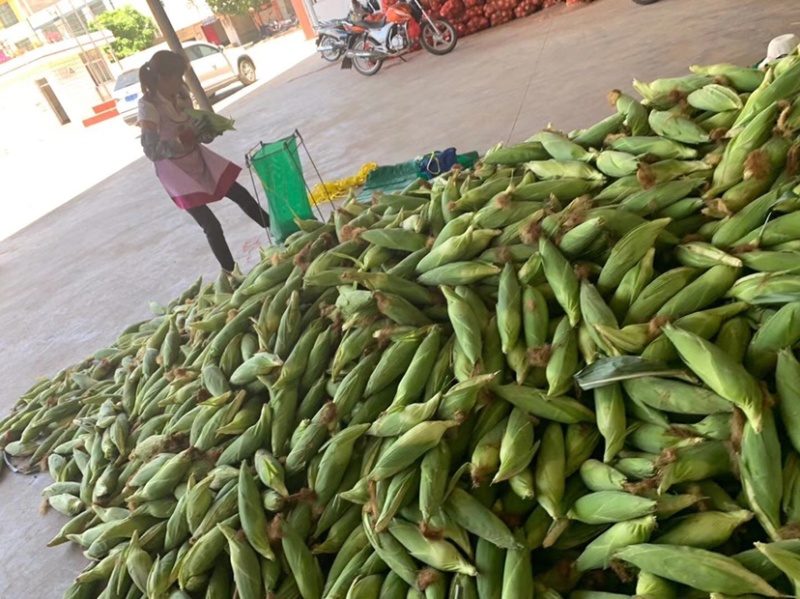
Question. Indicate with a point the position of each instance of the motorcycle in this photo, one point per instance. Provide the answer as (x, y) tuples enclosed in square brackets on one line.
[(394, 34), (276, 27), (332, 39)]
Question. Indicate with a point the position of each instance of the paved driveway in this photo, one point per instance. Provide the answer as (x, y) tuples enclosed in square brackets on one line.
[(79, 275)]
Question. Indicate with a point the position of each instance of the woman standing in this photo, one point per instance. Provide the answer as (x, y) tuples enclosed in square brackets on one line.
[(192, 175)]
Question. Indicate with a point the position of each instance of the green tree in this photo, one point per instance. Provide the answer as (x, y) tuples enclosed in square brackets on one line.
[(234, 7), (133, 31)]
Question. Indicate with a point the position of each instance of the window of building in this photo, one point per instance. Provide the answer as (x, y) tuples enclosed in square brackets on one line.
[(97, 7), (76, 23), (97, 66), (7, 16), (25, 45)]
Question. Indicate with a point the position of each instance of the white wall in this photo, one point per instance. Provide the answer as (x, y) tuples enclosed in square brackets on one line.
[(331, 9), (24, 112)]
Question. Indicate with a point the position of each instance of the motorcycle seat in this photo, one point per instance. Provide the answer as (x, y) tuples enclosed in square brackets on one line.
[(371, 24)]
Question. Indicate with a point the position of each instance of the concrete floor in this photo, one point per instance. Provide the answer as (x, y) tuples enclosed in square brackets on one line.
[(74, 278)]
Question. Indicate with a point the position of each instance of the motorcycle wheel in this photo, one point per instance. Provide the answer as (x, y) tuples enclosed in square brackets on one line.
[(439, 47), (330, 55), (366, 66), (644, 2)]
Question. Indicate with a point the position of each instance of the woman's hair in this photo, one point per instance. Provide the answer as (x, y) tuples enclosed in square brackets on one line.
[(164, 63)]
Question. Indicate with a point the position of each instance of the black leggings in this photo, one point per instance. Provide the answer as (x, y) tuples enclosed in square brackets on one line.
[(213, 230)]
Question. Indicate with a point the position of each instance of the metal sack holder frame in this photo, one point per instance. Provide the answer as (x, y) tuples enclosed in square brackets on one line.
[(277, 166)]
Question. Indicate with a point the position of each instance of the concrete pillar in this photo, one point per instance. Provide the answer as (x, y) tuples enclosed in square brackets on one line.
[(230, 30), (306, 16)]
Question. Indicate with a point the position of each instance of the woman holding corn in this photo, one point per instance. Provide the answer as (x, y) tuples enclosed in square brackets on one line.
[(192, 175)]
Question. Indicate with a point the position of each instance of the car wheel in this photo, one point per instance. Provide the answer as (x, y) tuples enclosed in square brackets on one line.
[(247, 71)]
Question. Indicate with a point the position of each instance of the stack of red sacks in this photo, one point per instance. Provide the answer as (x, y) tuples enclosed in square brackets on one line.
[(471, 16), (499, 12), (476, 19), (527, 7)]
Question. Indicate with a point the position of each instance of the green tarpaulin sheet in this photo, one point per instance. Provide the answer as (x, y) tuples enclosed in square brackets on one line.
[(281, 173), (389, 178)]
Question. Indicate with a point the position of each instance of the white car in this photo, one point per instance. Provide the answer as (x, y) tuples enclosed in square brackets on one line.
[(215, 66)]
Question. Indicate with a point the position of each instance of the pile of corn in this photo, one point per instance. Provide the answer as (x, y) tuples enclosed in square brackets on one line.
[(569, 372)]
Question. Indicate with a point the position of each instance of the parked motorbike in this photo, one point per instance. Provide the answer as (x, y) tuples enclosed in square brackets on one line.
[(332, 39), (394, 34), (276, 27)]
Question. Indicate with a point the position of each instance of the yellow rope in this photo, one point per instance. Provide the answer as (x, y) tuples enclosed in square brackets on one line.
[(334, 190)]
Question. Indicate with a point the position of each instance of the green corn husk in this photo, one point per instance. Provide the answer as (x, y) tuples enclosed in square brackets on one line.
[(635, 113), (610, 507), (437, 554), (580, 441), (516, 154), (784, 86), (509, 306), (701, 293), (764, 285), (557, 408), (610, 409), (562, 280), (675, 396), (696, 568), (550, 470), (628, 252), (563, 361), (658, 195), (408, 448), (657, 92), (518, 574), (632, 285), (594, 136), (704, 255), (692, 463), (681, 209), (730, 171), (563, 169), (469, 513), (743, 79), (598, 476), (596, 313), (734, 338), (665, 149), (763, 167), (787, 377), (677, 128), (715, 98), (599, 552), (705, 530), (781, 330), (561, 148), (725, 377), (517, 448), (617, 164), (760, 468), (580, 239)]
